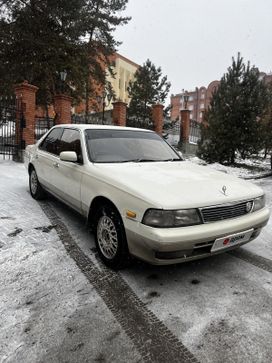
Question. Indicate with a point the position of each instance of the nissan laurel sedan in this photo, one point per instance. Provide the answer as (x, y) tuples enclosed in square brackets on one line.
[(140, 198)]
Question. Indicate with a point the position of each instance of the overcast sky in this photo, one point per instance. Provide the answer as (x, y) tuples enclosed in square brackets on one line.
[(194, 41)]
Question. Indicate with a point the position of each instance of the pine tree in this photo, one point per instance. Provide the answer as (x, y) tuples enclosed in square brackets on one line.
[(266, 127), (40, 38), (232, 120), (149, 87)]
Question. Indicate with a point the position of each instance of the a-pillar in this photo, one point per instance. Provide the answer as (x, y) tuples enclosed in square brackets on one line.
[(119, 113), (157, 118), (184, 128), (63, 106), (26, 105)]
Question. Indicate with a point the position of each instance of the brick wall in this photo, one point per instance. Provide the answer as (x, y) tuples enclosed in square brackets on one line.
[(119, 113), (26, 95), (63, 106)]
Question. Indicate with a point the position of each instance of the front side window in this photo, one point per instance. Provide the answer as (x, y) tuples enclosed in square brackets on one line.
[(117, 146), (52, 141), (70, 141)]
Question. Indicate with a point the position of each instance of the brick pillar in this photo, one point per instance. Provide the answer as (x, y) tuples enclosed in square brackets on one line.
[(26, 95), (184, 126), (157, 118), (119, 113), (63, 105)]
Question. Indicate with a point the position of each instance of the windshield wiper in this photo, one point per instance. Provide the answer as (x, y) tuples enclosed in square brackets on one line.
[(172, 159), (138, 160)]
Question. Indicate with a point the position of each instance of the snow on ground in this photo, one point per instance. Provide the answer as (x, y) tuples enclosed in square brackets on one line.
[(49, 312), (248, 168), (220, 307)]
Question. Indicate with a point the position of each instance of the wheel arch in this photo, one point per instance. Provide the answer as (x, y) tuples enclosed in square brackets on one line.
[(96, 203), (30, 167)]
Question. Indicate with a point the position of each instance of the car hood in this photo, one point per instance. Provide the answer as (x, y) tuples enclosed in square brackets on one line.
[(173, 185)]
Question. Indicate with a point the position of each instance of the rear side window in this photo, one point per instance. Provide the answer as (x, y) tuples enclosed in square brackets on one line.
[(70, 141), (51, 143)]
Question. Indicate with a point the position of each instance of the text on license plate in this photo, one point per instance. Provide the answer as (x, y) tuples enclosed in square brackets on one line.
[(232, 240)]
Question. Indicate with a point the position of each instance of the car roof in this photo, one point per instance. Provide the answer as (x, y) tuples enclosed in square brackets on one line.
[(100, 127)]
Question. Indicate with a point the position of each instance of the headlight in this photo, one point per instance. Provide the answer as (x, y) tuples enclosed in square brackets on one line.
[(259, 203), (171, 218)]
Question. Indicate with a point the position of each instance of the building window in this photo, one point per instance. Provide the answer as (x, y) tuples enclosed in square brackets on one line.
[(191, 107), (191, 98), (202, 105), (200, 114), (202, 95)]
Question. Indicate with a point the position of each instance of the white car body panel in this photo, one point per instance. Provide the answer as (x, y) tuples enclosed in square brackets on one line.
[(140, 186)]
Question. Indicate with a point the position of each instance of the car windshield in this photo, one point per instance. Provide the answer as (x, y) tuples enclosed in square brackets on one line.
[(119, 146)]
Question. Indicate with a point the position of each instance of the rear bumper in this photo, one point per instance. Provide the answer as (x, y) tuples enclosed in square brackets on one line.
[(163, 246)]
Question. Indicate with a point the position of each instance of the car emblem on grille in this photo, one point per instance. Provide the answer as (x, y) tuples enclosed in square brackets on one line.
[(224, 189), (248, 207)]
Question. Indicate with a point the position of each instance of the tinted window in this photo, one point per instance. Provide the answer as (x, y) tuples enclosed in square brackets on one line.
[(52, 142), (70, 141), (111, 146)]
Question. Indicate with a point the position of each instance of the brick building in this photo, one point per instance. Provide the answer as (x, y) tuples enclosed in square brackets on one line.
[(124, 70), (199, 99)]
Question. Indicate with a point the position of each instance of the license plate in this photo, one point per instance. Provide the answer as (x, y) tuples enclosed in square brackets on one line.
[(231, 240)]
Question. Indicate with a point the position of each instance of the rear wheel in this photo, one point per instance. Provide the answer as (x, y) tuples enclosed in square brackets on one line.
[(36, 190), (110, 237)]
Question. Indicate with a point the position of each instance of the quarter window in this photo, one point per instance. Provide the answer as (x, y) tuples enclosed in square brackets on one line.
[(70, 141), (51, 143)]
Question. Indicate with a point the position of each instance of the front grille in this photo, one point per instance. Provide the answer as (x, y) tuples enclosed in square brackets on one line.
[(214, 214)]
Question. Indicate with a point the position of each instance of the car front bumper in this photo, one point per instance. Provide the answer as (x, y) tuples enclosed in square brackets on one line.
[(163, 246)]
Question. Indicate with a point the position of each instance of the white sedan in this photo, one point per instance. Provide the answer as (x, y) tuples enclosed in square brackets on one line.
[(140, 198)]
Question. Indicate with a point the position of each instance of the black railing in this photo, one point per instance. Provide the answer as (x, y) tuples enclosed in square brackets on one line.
[(9, 127), (195, 132), (93, 118), (42, 125), (171, 132), (141, 124)]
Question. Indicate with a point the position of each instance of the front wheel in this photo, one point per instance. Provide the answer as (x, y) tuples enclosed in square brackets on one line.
[(36, 190), (110, 237)]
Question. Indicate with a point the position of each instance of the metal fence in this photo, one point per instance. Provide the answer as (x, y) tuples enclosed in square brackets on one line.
[(11, 125), (171, 132), (141, 124), (195, 132), (98, 118), (42, 125)]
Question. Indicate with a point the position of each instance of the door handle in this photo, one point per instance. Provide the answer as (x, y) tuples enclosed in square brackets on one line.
[(56, 165)]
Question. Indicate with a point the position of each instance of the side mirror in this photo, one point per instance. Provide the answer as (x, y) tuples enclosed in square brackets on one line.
[(68, 156)]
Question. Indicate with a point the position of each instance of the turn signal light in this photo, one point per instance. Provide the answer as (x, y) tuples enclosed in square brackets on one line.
[(131, 214)]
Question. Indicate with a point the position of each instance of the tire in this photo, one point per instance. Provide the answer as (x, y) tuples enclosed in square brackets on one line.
[(36, 190), (110, 238)]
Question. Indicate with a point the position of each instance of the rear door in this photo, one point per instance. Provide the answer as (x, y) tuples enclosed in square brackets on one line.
[(47, 158)]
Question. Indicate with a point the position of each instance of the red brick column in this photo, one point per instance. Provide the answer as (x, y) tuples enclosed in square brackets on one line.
[(26, 95), (185, 125), (119, 113), (63, 105), (157, 118)]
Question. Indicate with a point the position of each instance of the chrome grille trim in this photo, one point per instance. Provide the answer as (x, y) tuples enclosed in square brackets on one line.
[(224, 211)]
